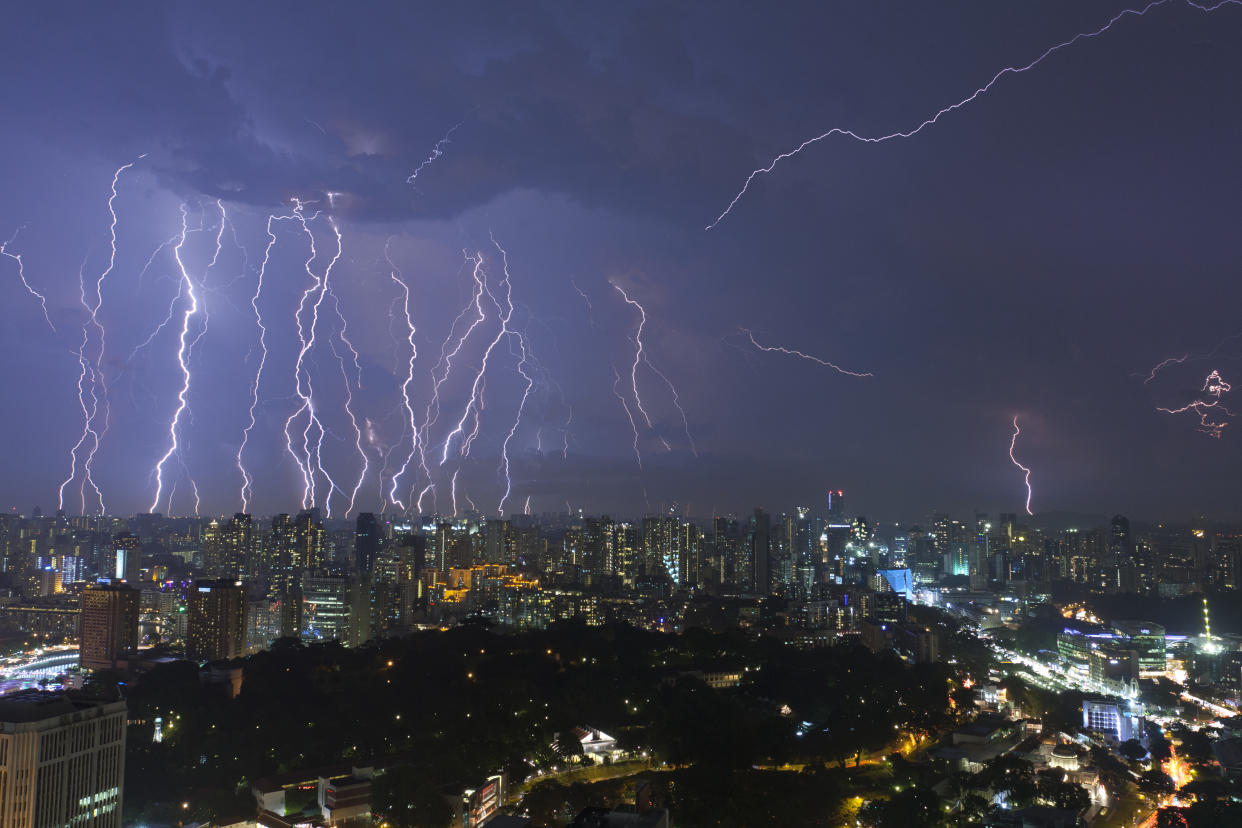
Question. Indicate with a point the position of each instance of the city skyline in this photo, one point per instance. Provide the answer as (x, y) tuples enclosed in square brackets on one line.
[(1058, 253)]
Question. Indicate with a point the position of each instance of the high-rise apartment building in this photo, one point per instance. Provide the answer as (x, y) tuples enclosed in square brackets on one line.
[(109, 630), (216, 622), (62, 761)]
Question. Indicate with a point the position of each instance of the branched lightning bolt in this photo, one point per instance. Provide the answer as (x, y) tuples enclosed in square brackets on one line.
[(92, 368), (791, 352), (191, 309), (1009, 70), (629, 414), (474, 405), (517, 420), (1012, 443), (1214, 386), (445, 363), (21, 274), (310, 462), (642, 356), (638, 352)]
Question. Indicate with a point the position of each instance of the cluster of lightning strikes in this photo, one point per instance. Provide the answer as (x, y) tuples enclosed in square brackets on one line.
[(1013, 442), (92, 385), (982, 90), (488, 333), (778, 349)]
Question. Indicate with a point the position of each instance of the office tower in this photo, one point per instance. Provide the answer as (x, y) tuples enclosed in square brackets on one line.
[(62, 761), (326, 607), (760, 544), (286, 582), (216, 622), (239, 558), (806, 552), (109, 630), (836, 507), (128, 557), (366, 541)]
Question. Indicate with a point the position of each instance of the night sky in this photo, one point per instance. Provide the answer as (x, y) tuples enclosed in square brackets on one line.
[(1033, 253)]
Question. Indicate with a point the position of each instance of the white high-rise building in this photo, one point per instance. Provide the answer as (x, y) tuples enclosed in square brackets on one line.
[(62, 761)]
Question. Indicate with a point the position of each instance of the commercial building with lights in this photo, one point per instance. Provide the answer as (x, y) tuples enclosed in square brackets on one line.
[(62, 761)]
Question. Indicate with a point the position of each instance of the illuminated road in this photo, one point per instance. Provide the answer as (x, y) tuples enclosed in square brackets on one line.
[(24, 670)]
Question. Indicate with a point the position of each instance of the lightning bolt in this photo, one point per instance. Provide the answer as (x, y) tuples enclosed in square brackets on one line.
[(642, 356), (1012, 443), (629, 414), (1162, 365), (791, 352), (191, 309), (21, 274), (453, 490), (445, 363), (517, 420), (436, 152), (982, 90), (587, 299), (526, 508), (405, 395)]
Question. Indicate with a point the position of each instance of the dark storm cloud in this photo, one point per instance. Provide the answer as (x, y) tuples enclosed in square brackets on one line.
[(262, 102)]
